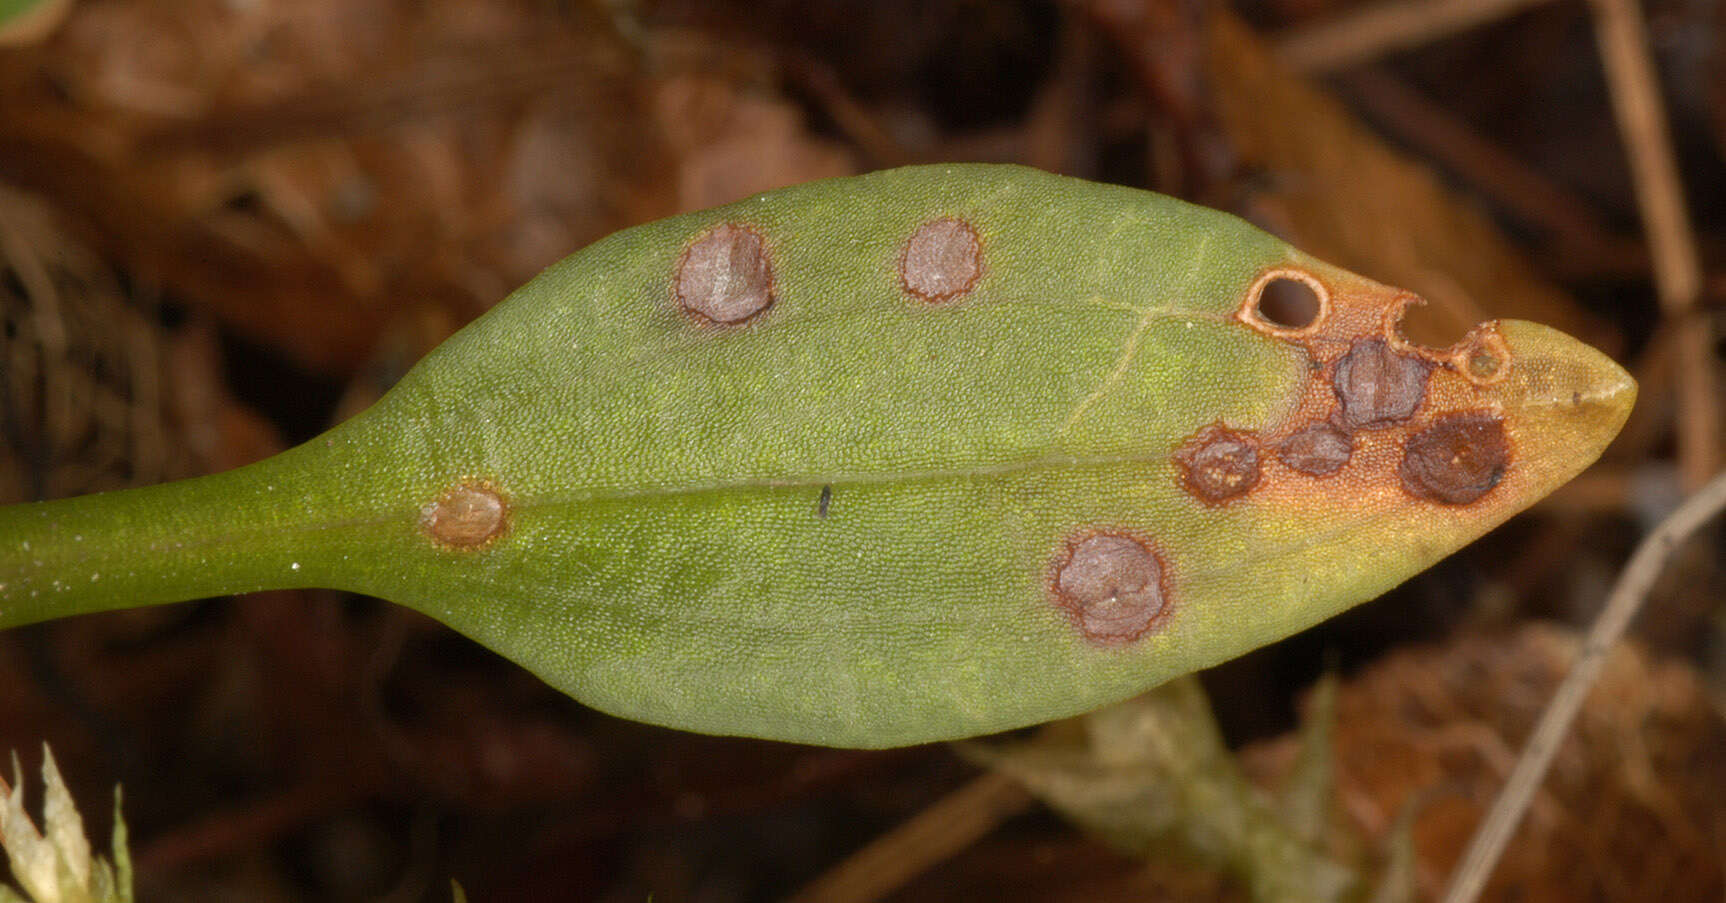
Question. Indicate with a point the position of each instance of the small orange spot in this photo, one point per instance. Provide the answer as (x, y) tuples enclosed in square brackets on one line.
[(1112, 586), (942, 260), (467, 516), (726, 276)]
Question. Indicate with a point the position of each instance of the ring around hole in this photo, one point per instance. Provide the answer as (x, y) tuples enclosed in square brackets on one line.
[(1288, 302)]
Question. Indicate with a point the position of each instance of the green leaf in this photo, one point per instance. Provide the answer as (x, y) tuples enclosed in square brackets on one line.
[(1307, 800), (29, 21), (922, 454), (120, 848), (1398, 882), (1153, 777)]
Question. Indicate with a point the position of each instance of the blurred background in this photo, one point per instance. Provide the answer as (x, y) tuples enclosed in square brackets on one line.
[(227, 224)]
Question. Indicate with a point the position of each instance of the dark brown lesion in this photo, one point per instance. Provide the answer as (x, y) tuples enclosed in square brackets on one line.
[(1317, 450), (1375, 405), (1219, 464), (1457, 459), (725, 277), (469, 515), (1378, 386), (942, 260), (1113, 586)]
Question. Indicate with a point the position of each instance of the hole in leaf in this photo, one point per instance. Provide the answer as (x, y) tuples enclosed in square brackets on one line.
[(1434, 326), (1288, 302)]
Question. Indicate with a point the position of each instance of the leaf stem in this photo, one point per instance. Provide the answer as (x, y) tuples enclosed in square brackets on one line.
[(248, 529)]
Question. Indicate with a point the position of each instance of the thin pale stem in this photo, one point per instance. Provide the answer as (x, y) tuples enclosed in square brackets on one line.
[(1642, 121), (1626, 600), (1373, 31)]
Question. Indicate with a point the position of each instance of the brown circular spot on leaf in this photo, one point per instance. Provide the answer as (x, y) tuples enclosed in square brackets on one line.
[(1483, 364), (1482, 357), (726, 276), (1457, 459), (466, 516), (1318, 450), (1219, 464), (1377, 386), (1113, 587), (942, 261)]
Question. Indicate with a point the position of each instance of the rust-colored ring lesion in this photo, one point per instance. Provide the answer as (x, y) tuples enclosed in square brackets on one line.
[(726, 276), (1113, 584), (942, 261), (471, 514), (1482, 357)]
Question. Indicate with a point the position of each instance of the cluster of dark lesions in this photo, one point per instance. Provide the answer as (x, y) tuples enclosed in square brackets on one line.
[(1376, 387), (1455, 459), (1112, 586), (1379, 384)]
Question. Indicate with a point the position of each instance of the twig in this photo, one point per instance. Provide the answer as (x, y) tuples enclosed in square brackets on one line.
[(953, 823), (1373, 31), (1626, 599), (1641, 113), (1526, 193)]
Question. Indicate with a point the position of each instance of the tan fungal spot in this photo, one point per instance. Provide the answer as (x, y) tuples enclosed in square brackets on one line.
[(1318, 450), (466, 516), (942, 260), (1286, 303), (1112, 586), (1457, 459), (1377, 386), (1482, 357), (726, 275), (1219, 464)]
